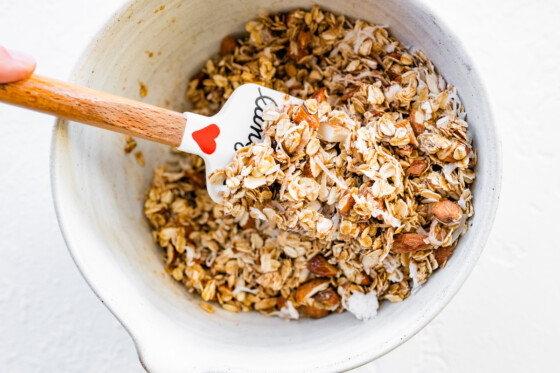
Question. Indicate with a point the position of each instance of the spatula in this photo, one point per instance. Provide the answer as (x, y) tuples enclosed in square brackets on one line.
[(214, 138)]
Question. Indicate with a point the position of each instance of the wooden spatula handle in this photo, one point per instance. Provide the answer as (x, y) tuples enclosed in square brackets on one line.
[(96, 108)]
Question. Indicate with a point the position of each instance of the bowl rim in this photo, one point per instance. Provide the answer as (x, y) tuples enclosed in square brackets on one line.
[(345, 363)]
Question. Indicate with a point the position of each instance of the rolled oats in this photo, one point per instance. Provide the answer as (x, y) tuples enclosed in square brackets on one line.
[(355, 196)]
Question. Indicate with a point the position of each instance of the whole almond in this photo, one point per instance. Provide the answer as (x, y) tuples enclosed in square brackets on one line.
[(281, 302), (409, 242), (328, 298), (307, 169), (363, 279), (300, 48), (300, 114), (452, 154), (332, 132), (310, 288), (303, 39), (320, 95), (417, 167), (250, 223), (319, 266), (346, 203), (442, 254), (228, 45), (311, 169), (447, 212), (406, 150), (315, 312)]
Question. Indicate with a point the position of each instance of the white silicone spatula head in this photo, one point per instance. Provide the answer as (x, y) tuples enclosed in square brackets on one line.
[(215, 139), (238, 124)]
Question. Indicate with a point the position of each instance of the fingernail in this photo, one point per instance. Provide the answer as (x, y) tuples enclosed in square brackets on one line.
[(21, 57)]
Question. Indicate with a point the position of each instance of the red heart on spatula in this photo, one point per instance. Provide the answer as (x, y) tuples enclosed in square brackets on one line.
[(206, 138)]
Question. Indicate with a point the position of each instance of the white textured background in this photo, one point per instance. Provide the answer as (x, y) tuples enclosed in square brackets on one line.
[(506, 318)]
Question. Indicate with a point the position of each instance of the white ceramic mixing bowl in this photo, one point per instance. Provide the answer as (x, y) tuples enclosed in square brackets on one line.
[(99, 193)]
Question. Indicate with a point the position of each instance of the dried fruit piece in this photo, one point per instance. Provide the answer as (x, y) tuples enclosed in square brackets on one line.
[(227, 45), (409, 242), (332, 132), (319, 266), (417, 167), (310, 288), (447, 212), (442, 254)]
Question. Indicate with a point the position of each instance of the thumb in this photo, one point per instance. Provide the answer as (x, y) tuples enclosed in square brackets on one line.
[(15, 65)]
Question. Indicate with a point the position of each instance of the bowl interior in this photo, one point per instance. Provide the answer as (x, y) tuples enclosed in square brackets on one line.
[(99, 193)]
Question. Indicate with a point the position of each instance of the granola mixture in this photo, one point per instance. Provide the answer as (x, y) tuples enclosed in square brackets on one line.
[(355, 197)]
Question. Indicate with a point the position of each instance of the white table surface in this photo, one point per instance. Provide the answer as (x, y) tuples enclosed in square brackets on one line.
[(506, 317)]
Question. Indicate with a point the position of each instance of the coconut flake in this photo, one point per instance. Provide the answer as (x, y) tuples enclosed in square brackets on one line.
[(288, 311), (240, 287), (338, 182), (413, 273), (427, 109), (391, 265), (392, 90), (389, 219), (287, 178), (257, 214), (447, 169), (363, 306), (457, 232), (432, 236)]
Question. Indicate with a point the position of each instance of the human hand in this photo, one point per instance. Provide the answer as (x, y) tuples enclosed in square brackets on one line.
[(15, 65)]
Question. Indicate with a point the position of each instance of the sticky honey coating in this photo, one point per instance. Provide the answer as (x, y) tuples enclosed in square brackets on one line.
[(364, 188)]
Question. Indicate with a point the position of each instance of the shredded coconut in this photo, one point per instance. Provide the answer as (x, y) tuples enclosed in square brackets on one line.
[(363, 306)]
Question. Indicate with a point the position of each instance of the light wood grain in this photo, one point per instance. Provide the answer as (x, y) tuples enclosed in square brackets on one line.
[(85, 105)]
